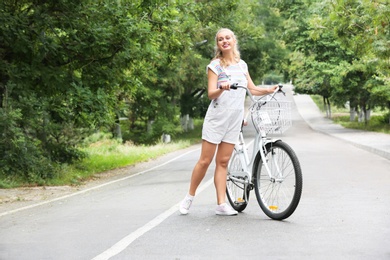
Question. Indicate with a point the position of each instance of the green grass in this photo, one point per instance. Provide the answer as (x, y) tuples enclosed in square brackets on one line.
[(377, 123), (109, 155), (104, 154)]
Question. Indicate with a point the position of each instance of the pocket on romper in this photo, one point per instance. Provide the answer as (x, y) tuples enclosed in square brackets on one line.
[(214, 116)]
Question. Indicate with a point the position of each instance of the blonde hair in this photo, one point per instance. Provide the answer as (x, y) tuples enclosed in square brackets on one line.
[(218, 52)]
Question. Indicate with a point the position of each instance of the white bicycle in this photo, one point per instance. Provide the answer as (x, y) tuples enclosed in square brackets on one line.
[(273, 169)]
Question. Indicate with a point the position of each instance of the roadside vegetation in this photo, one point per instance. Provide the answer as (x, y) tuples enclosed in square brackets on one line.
[(379, 120), (104, 153)]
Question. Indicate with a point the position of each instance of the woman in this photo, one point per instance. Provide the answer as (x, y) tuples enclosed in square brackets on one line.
[(223, 119)]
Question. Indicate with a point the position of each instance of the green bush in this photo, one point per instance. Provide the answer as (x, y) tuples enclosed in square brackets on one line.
[(21, 156), (273, 78)]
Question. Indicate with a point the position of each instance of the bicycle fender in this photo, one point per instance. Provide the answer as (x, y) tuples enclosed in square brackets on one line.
[(272, 141), (267, 145)]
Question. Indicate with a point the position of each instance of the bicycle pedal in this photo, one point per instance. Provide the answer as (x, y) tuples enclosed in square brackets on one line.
[(239, 201)]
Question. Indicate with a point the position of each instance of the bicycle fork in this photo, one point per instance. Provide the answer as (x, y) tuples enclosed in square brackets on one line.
[(263, 144)]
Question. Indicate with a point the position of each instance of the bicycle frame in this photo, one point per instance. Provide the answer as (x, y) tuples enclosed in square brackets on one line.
[(246, 161), (260, 141)]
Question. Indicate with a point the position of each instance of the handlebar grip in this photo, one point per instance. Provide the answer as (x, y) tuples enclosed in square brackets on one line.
[(233, 86)]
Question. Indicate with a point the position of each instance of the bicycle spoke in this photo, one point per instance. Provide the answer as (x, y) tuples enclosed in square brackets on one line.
[(236, 191)]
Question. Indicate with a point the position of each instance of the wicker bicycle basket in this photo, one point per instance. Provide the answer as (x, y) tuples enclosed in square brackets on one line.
[(272, 117)]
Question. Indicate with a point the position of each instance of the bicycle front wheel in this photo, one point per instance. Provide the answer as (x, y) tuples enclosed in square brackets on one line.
[(235, 186), (278, 195)]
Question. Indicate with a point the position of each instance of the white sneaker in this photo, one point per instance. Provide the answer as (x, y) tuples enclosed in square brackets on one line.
[(186, 204), (225, 210)]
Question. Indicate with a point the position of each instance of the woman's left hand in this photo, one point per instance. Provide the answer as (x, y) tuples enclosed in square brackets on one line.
[(273, 89)]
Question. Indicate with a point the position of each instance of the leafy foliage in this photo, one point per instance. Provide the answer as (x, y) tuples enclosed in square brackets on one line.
[(336, 53), (58, 68)]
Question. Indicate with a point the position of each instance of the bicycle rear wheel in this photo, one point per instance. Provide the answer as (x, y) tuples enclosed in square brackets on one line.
[(235, 189), (279, 195)]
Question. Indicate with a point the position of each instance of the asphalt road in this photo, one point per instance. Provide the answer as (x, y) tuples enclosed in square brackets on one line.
[(344, 213)]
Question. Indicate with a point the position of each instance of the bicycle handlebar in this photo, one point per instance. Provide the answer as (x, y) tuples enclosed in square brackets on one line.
[(236, 86), (277, 90)]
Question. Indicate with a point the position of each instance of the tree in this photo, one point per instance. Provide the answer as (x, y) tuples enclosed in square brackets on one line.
[(59, 68), (335, 51), (314, 52), (356, 25)]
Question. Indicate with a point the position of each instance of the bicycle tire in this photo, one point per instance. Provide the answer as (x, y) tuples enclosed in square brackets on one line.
[(235, 191), (278, 196)]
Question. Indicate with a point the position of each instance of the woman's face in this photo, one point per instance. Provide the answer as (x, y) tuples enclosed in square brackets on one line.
[(225, 40)]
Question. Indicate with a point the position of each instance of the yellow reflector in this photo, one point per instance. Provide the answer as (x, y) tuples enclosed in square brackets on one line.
[(273, 207), (240, 200)]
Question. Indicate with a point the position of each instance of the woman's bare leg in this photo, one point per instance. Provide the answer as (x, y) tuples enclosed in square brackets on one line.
[(199, 171), (222, 159)]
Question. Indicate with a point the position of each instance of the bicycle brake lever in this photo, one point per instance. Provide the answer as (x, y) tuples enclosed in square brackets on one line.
[(234, 86)]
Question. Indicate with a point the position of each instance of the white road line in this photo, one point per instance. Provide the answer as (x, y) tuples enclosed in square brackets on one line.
[(93, 188), (126, 241)]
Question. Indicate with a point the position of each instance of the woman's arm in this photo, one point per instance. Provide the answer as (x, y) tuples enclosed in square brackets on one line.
[(214, 92), (256, 91)]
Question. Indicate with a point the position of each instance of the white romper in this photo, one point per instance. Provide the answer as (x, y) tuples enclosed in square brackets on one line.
[(224, 115)]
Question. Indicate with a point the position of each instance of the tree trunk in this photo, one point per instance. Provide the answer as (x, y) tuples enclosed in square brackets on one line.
[(149, 126), (327, 107), (165, 138), (361, 116), (368, 115), (365, 114), (184, 122), (352, 114), (117, 131)]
